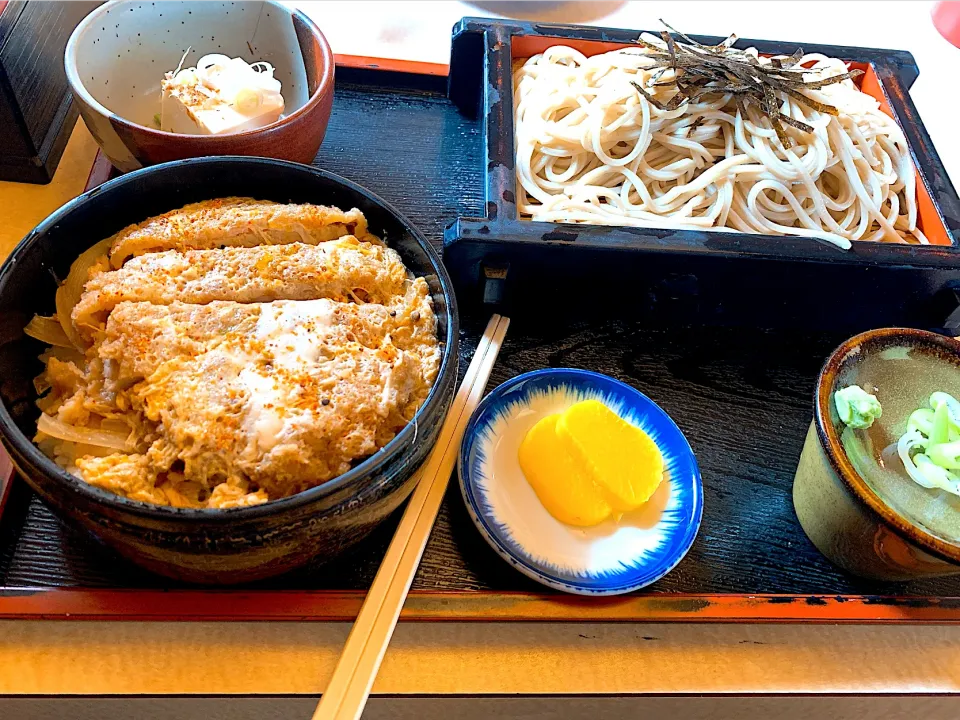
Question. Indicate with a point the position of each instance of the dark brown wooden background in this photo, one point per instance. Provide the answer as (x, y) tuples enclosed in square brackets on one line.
[(37, 112)]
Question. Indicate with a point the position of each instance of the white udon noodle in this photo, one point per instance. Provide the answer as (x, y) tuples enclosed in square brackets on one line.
[(591, 149)]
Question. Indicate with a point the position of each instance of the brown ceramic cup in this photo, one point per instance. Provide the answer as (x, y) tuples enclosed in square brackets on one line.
[(117, 56), (842, 514)]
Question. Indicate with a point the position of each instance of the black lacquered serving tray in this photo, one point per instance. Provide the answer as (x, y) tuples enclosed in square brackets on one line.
[(743, 398)]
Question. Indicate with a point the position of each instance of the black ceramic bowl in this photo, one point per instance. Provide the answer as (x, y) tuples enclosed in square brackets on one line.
[(211, 546)]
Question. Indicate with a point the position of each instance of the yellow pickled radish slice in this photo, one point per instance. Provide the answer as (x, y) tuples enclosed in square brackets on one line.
[(621, 459), (566, 491)]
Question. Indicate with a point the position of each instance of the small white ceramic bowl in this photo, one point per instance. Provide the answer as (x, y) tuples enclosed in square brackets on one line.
[(611, 558), (117, 56)]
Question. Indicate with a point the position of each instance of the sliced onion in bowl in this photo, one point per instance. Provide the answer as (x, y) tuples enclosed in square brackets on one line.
[(48, 330), (54, 427), (68, 294)]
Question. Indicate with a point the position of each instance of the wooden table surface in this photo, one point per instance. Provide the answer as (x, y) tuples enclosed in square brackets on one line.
[(64, 657)]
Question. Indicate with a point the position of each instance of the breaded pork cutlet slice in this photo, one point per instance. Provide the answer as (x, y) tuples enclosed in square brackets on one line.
[(344, 269), (236, 222), (140, 337), (281, 395)]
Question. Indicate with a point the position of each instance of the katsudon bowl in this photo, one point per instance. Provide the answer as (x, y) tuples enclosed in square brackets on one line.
[(211, 545)]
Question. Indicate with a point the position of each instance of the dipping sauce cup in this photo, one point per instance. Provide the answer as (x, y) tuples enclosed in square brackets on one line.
[(851, 493)]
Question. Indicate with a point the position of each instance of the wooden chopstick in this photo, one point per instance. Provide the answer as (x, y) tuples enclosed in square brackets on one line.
[(376, 596), (347, 692), (386, 621), (363, 625)]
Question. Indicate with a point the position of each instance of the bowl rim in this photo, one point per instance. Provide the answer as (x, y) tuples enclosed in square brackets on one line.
[(688, 537), (833, 449), (78, 87), (10, 432)]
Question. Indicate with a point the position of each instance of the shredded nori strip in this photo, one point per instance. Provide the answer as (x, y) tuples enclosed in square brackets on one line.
[(653, 101), (798, 124), (817, 84), (700, 70), (795, 58)]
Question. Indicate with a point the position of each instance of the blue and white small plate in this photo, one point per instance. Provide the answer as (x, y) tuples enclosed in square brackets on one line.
[(610, 558)]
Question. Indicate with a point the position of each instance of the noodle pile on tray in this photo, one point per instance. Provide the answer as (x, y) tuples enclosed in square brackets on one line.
[(677, 135)]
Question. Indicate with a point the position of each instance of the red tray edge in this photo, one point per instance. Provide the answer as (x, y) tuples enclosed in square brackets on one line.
[(343, 606)]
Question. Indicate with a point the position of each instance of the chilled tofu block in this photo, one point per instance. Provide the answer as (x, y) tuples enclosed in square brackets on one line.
[(182, 112), (221, 95)]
